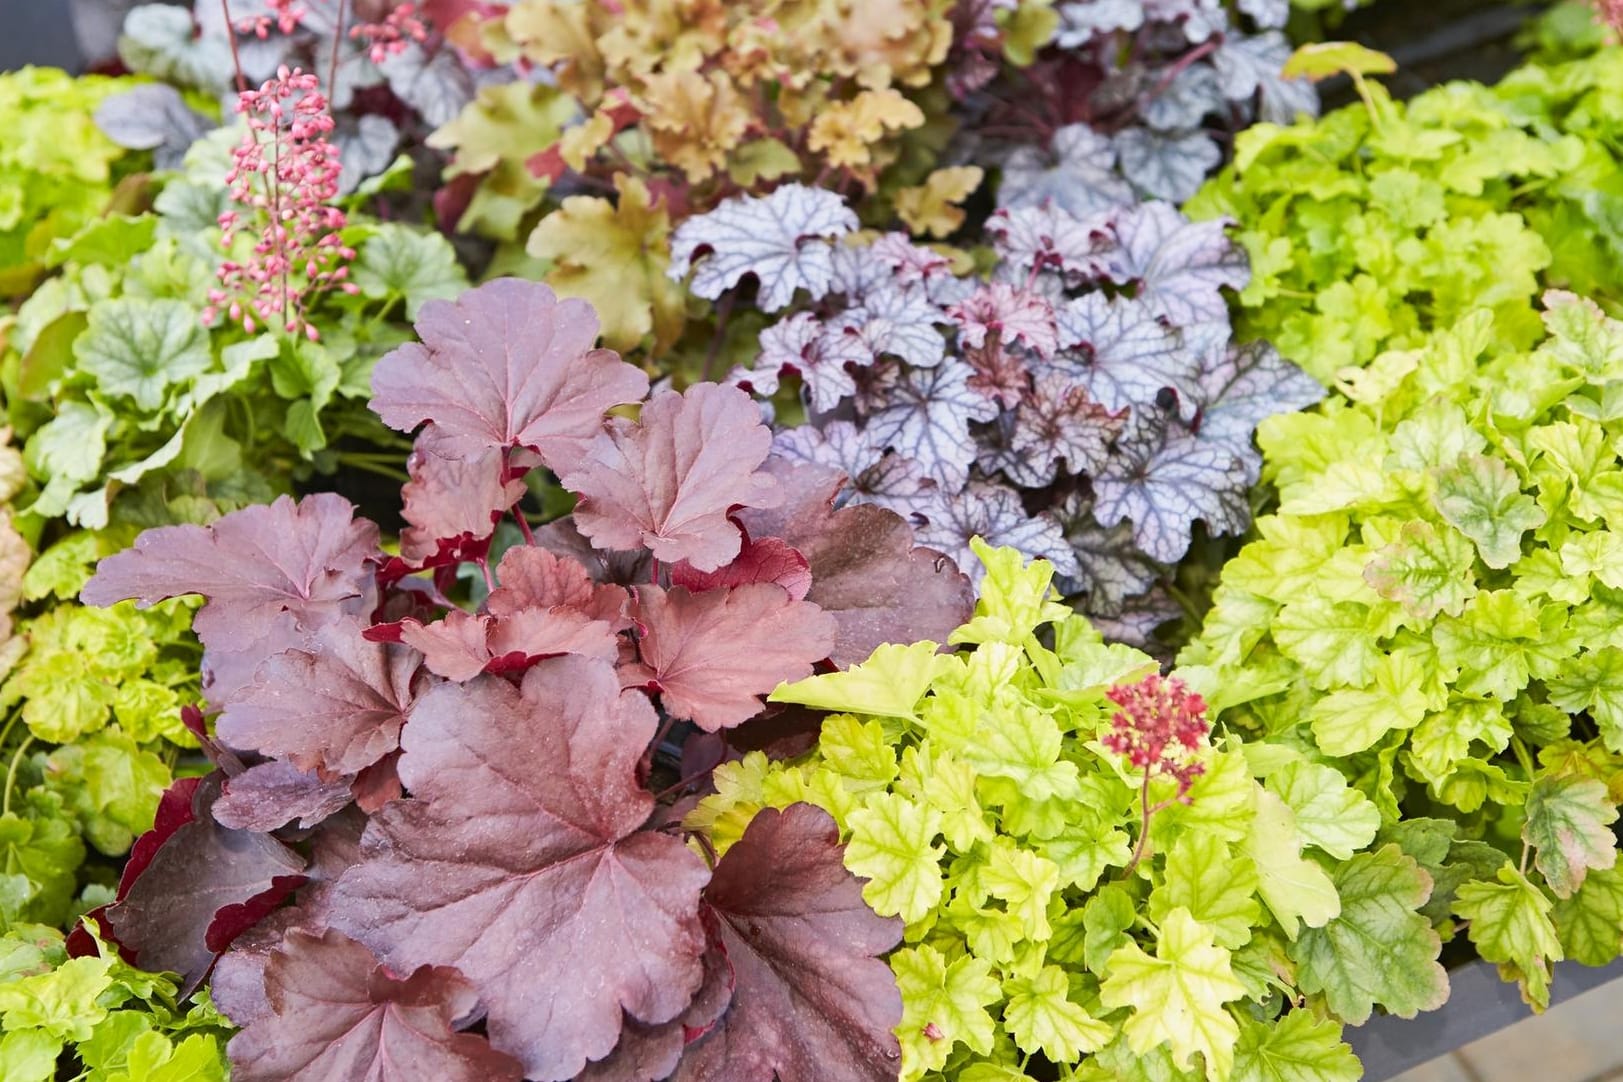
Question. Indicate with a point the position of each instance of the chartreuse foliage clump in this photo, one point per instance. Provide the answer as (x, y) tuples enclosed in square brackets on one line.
[(1384, 220), (57, 170), (1431, 618), (997, 800)]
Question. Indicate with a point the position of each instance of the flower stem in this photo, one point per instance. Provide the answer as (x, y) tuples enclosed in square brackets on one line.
[(231, 36), (1145, 811)]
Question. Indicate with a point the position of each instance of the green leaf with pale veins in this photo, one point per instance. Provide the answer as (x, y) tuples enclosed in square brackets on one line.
[(139, 349), (1569, 827), (1511, 926), (400, 263), (1590, 923), (1594, 683), (1041, 1017), (943, 1005), (1177, 996), (1329, 813), (1351, 720), (1483, 499), (1380, 951), (1216, 885), (1295, 1048), (893, 847), (1426, 570), (1331, 641), (1295, 889)]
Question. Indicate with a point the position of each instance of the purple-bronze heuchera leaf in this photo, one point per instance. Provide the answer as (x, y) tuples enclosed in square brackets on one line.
[(812, 1002), (268, 796), (668, 482), (713, 656), (518, 860), (336, 706), (260, 568), (452, 505), (202, 886), (532, 577), (867, 571), (505, 365), (337, 1013), (464, 644), (783, 239)]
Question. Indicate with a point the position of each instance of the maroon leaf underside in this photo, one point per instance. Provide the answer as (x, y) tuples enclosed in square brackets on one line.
[(334, 1012), (812, 1001), (866, 571), (204, 886), (505, 365), (669, 482), (714, 655), (771, 559), (518, 860)]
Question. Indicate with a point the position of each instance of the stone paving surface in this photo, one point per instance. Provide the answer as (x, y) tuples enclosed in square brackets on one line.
[(1579, 1041)]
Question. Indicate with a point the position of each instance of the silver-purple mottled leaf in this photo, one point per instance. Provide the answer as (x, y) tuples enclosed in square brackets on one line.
[(925, 413), (783, 239)]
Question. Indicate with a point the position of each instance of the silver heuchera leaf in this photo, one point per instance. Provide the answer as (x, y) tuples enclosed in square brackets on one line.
[(1112, 569), (839, 445), (1122, 354), (1191, 96), (160, 41), (823, 357), (1136, 622), (1246, 385), (366, 147), (1164, 480), (1077, 175), (897, 321), (1180, 267), (1085, 20), (1167, 165), (783, 239), (1267, 14), (995, 514), (1047, 236), (1249, 66), (437, 85), (924, 414), (152, 117)]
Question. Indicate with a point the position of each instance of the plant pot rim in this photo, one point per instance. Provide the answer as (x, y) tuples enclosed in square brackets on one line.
[(1479, 1003)]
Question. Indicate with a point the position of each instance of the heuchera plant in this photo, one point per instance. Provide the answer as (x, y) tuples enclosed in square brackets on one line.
[(1092, 889), (1082, 403), (1433, 615), (424, 818), (1146, 93), (1386, 220)]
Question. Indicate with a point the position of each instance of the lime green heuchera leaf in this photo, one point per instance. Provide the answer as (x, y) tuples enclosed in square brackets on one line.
[(1569, 827), (1329, 813), (892, 845), (1482, 498), (1294, 1048), (1177, 995), (1217, 886), (1379, 951), (943, 1005), (1041, 1017), (1354, 719), (888, 684), (1590, 923), (1426, 570), (1594, 683), (1015, 597), (1511, 925), (1296, 890)]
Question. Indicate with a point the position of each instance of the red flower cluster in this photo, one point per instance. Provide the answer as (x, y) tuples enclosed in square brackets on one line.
[(1160, 725), (390, 35), (285, 175)]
